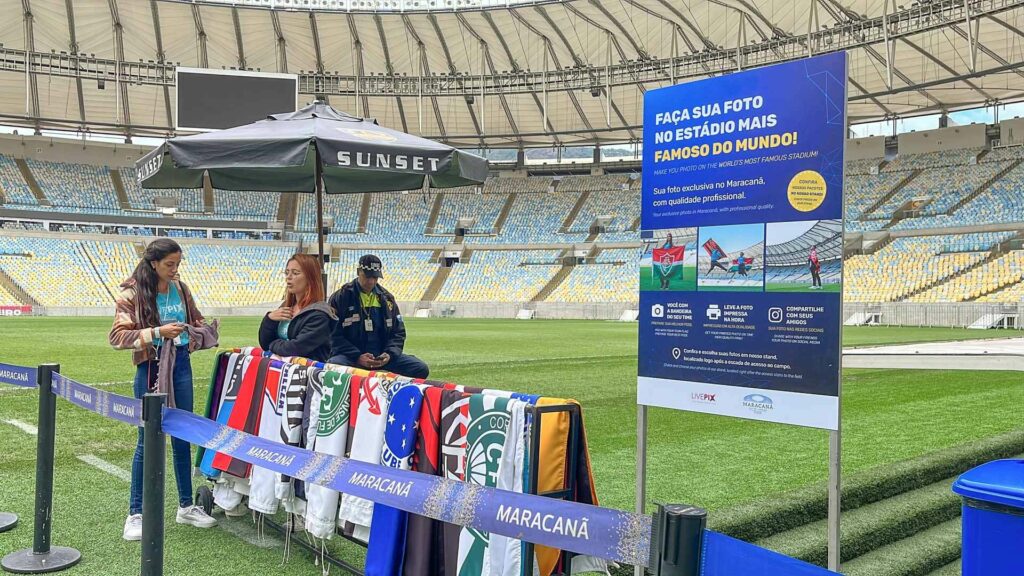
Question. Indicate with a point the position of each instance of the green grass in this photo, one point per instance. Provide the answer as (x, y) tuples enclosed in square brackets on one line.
[(915, 556), (717, 462), (801, 287), (730, 289), (650, 281)]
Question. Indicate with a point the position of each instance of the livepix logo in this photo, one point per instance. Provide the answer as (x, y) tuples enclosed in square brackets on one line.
[(703, 397)]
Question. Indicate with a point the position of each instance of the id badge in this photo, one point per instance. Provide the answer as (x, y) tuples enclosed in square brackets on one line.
[(368, 324)]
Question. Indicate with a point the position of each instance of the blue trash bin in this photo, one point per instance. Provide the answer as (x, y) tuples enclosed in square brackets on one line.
[(993, 518)]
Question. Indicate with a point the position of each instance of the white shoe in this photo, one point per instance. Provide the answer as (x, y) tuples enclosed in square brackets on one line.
[(237, 511), (195, 516), (133, 528)]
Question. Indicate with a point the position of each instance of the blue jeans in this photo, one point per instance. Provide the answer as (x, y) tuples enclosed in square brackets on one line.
[(145, 374), (404, 365)]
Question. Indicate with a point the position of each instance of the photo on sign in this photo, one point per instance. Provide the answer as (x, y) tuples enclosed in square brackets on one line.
[(804, 256), (669, 261), (731, 258)]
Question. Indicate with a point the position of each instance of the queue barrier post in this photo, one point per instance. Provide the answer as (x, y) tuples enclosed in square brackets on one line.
[(43, 557), (154, 465), (677, 541)]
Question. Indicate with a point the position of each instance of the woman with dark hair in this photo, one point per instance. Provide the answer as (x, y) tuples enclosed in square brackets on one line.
[(153, 310), (302, 326)]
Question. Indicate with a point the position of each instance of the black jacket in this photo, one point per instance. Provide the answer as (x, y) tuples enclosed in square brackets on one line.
[(349, 336), (309, 334)]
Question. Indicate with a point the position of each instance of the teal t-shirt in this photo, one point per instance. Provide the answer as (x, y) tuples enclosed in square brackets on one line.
[(172, 309), (282, 329)]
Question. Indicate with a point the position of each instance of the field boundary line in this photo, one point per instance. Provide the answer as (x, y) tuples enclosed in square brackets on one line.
[(23, 426), (101, 464)]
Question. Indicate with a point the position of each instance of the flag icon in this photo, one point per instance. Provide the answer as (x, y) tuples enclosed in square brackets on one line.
[(714, 251)]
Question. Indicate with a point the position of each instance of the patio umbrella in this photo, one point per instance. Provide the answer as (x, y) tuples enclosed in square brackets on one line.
[(316, 149)]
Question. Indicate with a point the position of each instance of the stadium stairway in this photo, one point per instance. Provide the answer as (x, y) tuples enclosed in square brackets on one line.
[(898, 520), (87, 256), (992, 256), (288, 209), (570, 219), (435, 211), (503, 215), (440, 277), (981, 189), (33, 185), (15, 290), (888, 195), (122, 196), (364, 215), (208, 198), (552, 284)]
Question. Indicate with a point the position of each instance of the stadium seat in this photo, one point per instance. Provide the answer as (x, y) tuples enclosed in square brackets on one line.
[(612, 277), (15, 189), (500, 276), (76, 185)]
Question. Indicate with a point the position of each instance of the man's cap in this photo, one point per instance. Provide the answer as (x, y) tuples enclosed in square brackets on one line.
[(371, 265)]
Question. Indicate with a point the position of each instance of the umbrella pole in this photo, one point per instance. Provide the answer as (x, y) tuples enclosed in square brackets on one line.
[(319, 171)]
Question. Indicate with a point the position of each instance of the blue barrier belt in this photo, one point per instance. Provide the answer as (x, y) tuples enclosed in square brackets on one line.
[(107, 404), (726, 556), (581, 528), (18, 375)]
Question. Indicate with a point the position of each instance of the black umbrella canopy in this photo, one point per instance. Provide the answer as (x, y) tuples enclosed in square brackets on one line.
[(281, 153)]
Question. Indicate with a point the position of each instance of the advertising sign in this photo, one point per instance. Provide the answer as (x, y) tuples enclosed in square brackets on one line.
[(741, 278)]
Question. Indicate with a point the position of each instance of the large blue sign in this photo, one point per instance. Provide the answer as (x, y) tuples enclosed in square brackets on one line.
[(741, 276)]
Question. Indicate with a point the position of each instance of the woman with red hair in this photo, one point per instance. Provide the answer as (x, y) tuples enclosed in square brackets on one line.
[(303, 324)]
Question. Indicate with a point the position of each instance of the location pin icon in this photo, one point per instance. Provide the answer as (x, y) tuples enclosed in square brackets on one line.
[(675, 353)]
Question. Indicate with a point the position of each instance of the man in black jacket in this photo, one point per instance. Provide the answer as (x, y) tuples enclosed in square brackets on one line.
[(371, 333)]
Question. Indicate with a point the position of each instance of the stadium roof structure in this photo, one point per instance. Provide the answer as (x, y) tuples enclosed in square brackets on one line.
[(494, 73), (827, 235)]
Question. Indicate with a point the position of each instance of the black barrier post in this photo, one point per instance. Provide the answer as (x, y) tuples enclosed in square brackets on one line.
[(43, 557), (677, 544), (154, 454)]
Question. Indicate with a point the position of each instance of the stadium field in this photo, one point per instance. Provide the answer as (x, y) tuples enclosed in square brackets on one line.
[(889, 416), (649, 281), (703, 288), (786, 287)]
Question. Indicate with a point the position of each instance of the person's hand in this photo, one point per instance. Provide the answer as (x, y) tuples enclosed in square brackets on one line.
[(281, 314), (171, 331), (382, 360), (367, 361)]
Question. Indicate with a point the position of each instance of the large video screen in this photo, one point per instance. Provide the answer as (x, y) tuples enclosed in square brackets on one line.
[(218, 99)]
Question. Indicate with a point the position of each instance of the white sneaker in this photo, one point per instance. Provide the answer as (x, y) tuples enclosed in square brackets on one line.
[(237, 511), (195, 516), (133, 528)]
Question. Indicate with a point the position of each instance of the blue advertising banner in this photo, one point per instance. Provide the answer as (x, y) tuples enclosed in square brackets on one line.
[(742, 220), (17, 375)]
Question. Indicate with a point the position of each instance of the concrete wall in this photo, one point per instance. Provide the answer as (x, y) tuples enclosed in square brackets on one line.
[(67, 150), (955, 138), (1011, 131), (872, 147), (950, 315)]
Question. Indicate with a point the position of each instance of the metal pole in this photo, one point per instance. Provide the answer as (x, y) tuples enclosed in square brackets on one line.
[(678, 540), (834, 498), (641, 467), (319, 175), (154, 454), (42, 557)]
